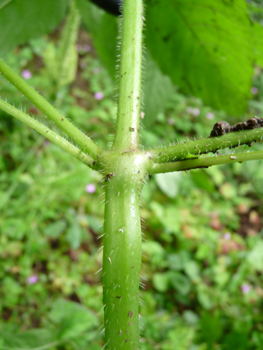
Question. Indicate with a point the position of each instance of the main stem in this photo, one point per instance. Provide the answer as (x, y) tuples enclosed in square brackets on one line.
[(121, 263), (124, 177), (124, 168)]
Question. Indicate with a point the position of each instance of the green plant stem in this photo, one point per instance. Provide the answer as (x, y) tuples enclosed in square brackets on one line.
[(127, 128), (124, 171), (197, 147), (122, 250), (86, 144), (122, 266), (49, 134), (203, 162)]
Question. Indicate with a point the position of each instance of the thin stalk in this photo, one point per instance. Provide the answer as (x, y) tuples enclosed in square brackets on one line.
[(48, 133), (86, 144), (127, 128), (212, 144), (203, 162)]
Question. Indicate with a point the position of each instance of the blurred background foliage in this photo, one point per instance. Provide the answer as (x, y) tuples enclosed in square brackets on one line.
[(202, 272)]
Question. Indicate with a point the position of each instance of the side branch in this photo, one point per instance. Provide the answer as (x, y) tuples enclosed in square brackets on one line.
[(47, 133), (181, 151), (127, 128), (86, 144), (206, 162)]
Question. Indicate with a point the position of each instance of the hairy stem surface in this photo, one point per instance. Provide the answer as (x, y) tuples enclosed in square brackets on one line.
[(48, 133), (122, 249), (127, 128), (202, 146), (86, 144), (124, 172), (122, 265), (204, 162)]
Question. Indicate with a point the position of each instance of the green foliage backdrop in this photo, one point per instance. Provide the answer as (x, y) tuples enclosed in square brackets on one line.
[(202, 263)]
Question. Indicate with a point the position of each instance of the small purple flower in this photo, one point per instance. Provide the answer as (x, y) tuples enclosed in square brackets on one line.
[(254, 90), (86, 48), (189, 110), (46, 143), (227, 236), (246, 288), (170, 121), (210, 115), (96, 70), (32, 279), (79, 47), (196, 112), (90, 188), (26, 74), (83, 64), (98, 95)]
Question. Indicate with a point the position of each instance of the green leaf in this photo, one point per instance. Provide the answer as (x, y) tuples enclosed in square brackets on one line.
[(258, 43), (67, 52), (190, 317), (205, 299), (256, 105), (192, 270), (104, 31), (22, 20), (211, 327), (180, 338), (3, 3), (27, 340), (155, 251), (157, 89), (236, 340), (169, 216), (161, 281), (180, 282), (206, 48), (55, 229), (73, 235), (255, 257), (174, 261), (172, 219), (73, 319), (169, 183), (95, 224), (202, 180)]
